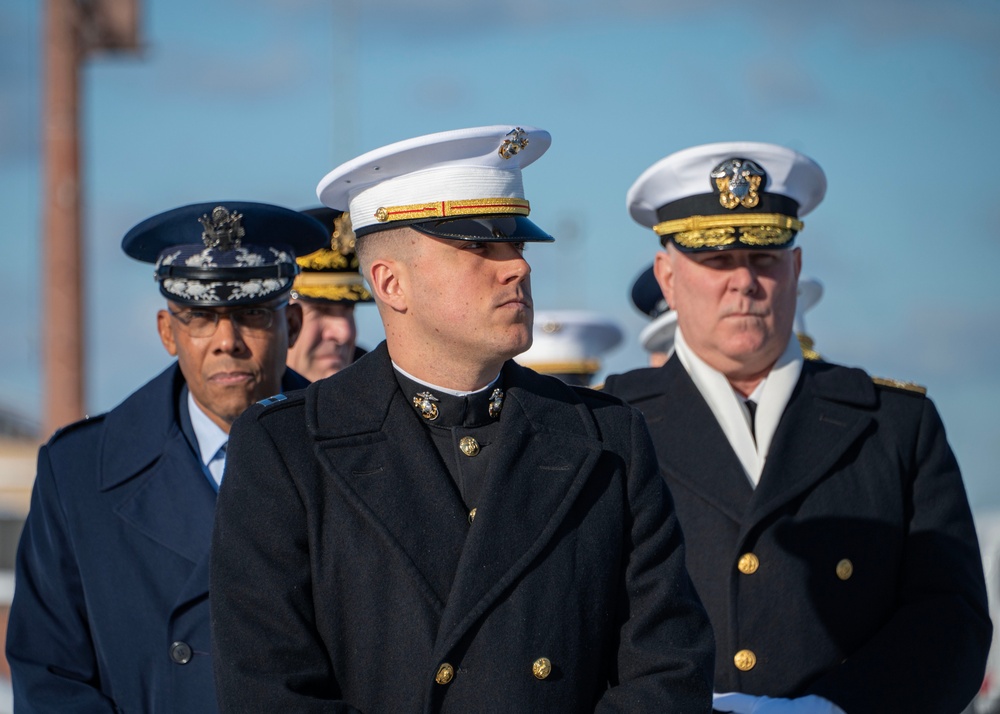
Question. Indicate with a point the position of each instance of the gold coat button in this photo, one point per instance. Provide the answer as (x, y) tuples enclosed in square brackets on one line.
[(469, 446), (472, 515), (541, 668), (845, 569), (445, 674), (745, 660), (748, 564)]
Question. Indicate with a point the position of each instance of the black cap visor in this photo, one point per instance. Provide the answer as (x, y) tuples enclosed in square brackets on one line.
[(494, 229)]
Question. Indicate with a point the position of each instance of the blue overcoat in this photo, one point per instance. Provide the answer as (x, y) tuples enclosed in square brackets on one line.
[(110, 609)]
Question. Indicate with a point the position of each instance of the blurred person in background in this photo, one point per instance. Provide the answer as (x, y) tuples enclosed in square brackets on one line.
[(328, 288)]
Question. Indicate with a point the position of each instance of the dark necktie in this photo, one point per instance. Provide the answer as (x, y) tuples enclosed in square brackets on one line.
[(752, 408)]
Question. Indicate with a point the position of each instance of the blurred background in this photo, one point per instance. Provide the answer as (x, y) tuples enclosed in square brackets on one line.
[(898, 101)]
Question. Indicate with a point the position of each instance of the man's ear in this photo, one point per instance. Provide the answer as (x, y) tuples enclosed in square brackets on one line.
[(663, 270), (293, 317), (388, 283), (166, 331)]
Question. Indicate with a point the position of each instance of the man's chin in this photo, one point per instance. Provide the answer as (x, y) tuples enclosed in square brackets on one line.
[(516, 346), (229, 403)]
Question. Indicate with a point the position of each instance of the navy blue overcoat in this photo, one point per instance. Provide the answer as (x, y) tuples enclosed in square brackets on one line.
[(110, 610), (348, 576), (852, 571)]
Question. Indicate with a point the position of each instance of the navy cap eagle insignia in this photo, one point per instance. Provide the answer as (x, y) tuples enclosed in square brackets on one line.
[(738, 181)]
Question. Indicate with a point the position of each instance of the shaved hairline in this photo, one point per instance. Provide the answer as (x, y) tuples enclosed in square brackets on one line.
[(395, 243)]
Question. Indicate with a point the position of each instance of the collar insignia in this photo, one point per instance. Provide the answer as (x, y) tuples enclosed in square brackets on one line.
[(738, 181), (223, 230), (424, 403), (514, 140), (496, 403)]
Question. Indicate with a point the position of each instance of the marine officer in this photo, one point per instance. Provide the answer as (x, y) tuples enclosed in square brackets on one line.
[(111, 610), (828, 529), (328, 288), (438, 529)]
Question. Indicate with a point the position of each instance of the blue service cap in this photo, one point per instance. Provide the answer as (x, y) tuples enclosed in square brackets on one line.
[(658, 335), (225, 252), (647, 296)]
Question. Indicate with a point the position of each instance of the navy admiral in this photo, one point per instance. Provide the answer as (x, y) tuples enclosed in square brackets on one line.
[(828, 530), (437, 528), (111, 608), (570, 344), (328, 288)]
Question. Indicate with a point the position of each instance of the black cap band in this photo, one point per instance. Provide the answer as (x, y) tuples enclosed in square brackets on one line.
[(707, 204)]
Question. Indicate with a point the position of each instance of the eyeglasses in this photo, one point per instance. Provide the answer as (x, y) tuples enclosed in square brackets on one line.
[(203, 323)]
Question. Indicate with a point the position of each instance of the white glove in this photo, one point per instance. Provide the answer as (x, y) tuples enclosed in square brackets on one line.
[(749, 704)]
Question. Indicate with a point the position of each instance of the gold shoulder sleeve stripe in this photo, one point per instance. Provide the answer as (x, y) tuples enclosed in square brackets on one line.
[(908, 386)]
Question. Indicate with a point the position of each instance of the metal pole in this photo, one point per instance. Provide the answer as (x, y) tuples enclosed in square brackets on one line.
[(61, 269)]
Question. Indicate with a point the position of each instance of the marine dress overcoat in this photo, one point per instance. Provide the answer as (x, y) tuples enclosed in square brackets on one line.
[(347, 574), (852, 571)]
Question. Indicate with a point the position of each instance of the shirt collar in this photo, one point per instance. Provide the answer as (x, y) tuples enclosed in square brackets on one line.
[(208, 434), (445, 390)]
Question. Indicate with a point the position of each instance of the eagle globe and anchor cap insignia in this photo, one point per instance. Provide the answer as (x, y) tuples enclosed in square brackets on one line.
[(738, 181), (223, 229), (514, 140)]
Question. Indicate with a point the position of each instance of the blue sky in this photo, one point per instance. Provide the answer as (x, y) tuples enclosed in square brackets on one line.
[(898, 100)]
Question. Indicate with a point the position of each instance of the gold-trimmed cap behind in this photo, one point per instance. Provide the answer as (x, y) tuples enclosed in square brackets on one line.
[(332, 273)]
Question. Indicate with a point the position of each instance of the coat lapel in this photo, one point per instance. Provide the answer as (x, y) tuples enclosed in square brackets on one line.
[(551, 447), (166, 496), (171, 501), (369, 439), (820, 423), (705, 462), (175, 504)]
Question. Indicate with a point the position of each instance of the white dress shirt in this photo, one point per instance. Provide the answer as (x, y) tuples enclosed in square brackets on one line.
[(211, 442)]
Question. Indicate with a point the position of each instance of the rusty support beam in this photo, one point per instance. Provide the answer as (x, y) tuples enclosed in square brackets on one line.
[(61, 283)]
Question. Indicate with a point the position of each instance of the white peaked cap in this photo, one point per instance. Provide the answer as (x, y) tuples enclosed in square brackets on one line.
[(658, 335), (461, 173), (810, 292), (687, 173), (570, 341)]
